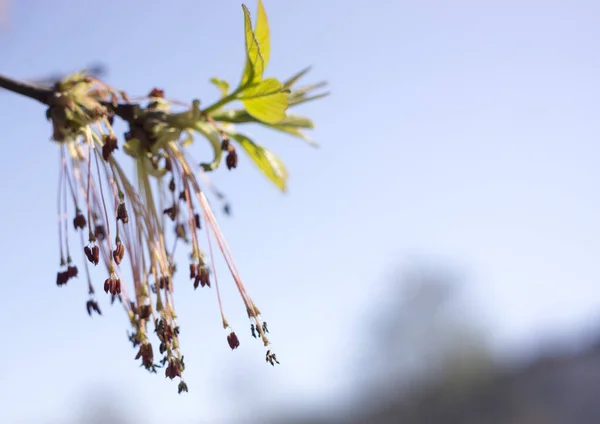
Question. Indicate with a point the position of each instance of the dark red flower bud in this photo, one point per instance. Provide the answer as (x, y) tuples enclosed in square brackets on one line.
[(145, 312), (157, 92), (119, 253), (122, 213), (72, 271), (96, 254), (231, 160), (79, 221), (164, 282), (204, 277), (225, 144), (110, 145), (173, 369), (197, 220), (107, 285), (233, 341), (88, 253), (192, 271), (172, 185), (62, 278), (147, 355)]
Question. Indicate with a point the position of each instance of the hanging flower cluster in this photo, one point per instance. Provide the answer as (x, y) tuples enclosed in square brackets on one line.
[(120, 223)]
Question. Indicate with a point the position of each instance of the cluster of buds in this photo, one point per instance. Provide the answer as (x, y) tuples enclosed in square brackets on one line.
[(199, 273), (92, 177), (64, 276)]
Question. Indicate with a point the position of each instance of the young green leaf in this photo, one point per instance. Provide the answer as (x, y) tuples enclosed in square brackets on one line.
[(295, 78), (270, 165), (265, 101), (300, 95), (293, 125), (258, 45), (295, 131), (221, 85)]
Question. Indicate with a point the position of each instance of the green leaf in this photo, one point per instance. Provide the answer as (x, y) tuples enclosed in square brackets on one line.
[(265, 101), (270, 165), (221, 85), (296, 121), (295, 131), (296, 77), (294, 101), (210, 132), (258, 45)]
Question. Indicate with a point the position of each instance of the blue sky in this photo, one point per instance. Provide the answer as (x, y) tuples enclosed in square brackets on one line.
[(462, 131)]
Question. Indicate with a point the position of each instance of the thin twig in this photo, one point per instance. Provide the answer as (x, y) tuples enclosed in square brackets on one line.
[(126, 111), (33, 91)]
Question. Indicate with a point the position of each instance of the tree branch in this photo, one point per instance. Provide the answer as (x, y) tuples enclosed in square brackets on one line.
[(126, 111), (33, 91)]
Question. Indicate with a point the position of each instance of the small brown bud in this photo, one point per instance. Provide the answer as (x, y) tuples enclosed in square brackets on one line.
[(271, 358), (72, 271), (62, 278), (231, 160), (112, 285), (110, 145), (145, 312), (100, 232), (164, 282), (171, 212), (122, 213), (157, 93), (147, 355), (180, 232), (172, 185), (204, 277), (197, 221), (225, 144), (192, 271), (89, 254), (182, 387), (173, 369), (91, 305), (233, 341), (96, 254), (119, 253), (79, 221)]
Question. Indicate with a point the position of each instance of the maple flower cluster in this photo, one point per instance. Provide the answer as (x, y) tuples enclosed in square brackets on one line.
[(125, 225), (121, 223)]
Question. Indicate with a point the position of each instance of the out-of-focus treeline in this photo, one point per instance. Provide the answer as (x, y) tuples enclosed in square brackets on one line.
[(428, 362)]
